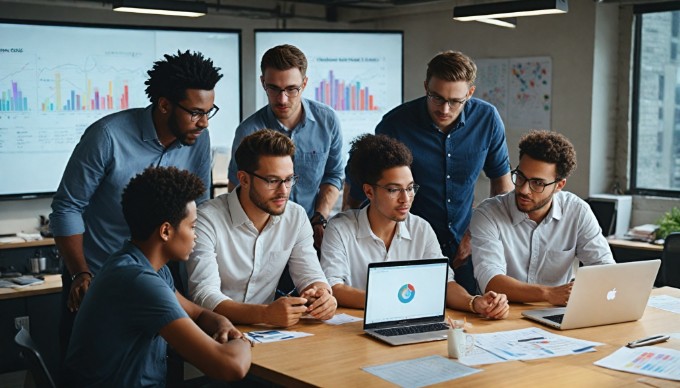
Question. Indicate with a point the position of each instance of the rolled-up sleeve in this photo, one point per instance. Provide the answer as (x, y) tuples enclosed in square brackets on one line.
[(334, 173), (83, 174), (334, 259), (303, 263), (204, 277), (487, 249)]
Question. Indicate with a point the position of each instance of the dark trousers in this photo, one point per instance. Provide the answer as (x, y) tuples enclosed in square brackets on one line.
[(65, 326)]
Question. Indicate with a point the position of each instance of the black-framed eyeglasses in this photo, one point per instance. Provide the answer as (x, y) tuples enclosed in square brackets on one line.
[(290, 91), (440, 101), (275, 183), (198, 114), (395, 192), (536, 185)]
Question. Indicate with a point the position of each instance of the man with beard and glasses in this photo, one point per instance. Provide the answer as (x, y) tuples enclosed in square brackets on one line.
[(313, 127), (385, 230), (245, 239), (526, 242), (87, 219)]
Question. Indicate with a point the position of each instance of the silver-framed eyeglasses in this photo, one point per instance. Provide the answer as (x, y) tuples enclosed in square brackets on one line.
[(289, 91), (536, 185), (440, 101), (275, 183), (198, 114), (395, 192)]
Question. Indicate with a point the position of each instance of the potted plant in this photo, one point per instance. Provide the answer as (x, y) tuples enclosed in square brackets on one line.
[(669, 223)]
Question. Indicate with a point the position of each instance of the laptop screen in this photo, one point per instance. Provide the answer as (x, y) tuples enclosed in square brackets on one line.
[(407, 290)]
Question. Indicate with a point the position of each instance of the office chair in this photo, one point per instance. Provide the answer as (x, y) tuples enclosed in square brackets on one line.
[(34, 361), (670, 261)]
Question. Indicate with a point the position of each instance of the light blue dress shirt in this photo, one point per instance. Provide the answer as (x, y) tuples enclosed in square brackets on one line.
[(318, 149), (506, 242), (112, 151)]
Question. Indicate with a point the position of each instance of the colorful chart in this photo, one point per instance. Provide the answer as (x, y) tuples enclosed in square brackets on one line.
[(406, 293), (343, 95)]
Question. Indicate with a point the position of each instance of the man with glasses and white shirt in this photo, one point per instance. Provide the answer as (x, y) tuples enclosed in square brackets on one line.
[(453, 137), (246, 238), (385, 230), (313, 127), (525, 243)]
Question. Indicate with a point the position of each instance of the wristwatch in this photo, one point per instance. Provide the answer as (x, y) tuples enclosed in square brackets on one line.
[(318, 219)]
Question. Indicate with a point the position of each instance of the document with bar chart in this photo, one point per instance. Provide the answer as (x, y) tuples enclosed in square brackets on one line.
[(56, 80), (358, 74)]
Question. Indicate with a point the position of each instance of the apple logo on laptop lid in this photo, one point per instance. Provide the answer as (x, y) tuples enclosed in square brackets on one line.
[(611, 294)]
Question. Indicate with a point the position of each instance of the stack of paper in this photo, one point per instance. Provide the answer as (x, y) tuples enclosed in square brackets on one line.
[(646, 232)]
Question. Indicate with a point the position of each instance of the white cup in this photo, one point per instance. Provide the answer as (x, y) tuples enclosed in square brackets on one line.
[(459, 343), (38, 264)]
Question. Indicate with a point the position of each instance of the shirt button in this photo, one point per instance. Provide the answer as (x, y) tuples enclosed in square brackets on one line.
[(448, 177), (448, 136), (449, 155), (448, 200)]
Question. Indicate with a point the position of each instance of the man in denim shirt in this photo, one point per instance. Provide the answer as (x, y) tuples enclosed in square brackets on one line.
[(87, 220), (313, 127), (453, 137)]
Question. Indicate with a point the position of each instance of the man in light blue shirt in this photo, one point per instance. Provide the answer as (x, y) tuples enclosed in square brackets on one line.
[(313, 127), (525, 243), (87, 220)]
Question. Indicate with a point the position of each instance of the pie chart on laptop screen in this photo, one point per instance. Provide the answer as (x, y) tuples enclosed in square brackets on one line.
[(406, 293)]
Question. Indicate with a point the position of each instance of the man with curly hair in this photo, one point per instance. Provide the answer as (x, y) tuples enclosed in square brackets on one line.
[(87, 220), (385, 230), (119, 338), (525, 243)]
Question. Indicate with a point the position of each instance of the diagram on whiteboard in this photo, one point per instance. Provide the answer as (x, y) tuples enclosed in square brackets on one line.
[(520, 88)]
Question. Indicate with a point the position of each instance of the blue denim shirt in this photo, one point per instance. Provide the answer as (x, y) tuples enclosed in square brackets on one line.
[(112, 151), (446, 166), (318, 149)]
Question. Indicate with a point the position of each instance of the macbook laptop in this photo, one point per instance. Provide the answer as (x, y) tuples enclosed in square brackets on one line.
[(406, 301), (602, 295)]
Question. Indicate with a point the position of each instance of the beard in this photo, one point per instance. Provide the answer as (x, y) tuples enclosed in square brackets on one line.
[(534, 206), (182, 136), (264, 205)]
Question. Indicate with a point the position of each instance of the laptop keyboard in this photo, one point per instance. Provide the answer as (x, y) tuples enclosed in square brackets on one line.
[(412, 329), (555, 318)]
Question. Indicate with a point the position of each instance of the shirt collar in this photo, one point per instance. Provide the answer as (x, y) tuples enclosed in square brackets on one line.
[(238, 215), (148, 128), (425, 115), (364, 229)]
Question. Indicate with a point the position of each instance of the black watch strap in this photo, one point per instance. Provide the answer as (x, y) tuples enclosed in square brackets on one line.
[(318, 219)]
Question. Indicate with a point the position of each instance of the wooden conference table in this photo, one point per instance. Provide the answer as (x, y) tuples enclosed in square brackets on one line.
[(334, 355)]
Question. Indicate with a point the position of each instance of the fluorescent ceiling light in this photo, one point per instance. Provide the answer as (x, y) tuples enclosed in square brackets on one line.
[(509, 9), (507, 22), (162, 7)]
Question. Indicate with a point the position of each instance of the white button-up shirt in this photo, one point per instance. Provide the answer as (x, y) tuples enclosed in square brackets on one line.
[(506, 242), (349, 245), (232, 260)]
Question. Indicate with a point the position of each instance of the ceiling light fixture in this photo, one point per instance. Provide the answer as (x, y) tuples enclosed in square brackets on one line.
[(509, 9), (162, 7), (506, 22)]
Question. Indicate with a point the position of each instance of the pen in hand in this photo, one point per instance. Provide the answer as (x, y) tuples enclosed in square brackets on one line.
[(284, 294)]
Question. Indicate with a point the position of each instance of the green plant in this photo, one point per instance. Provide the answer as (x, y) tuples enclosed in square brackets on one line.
[(669, 223)]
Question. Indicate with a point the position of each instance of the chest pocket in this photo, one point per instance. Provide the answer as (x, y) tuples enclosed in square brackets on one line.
[(309, 166)]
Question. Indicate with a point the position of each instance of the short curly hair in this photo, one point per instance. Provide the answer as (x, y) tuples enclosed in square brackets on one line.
[(284, 57), (158, 195), (452, 66), (550, 147), (265, 142), (170, 78), (370, 155)]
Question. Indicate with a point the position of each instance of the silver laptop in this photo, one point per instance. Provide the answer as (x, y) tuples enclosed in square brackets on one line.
[(406, 301), (602, 295)]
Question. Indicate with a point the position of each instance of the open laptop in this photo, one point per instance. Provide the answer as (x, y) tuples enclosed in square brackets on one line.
[(602, 295), (406, 301)]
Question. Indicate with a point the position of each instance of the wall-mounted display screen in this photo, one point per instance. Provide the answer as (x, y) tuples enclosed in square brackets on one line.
[(359, 74), (55, 80)]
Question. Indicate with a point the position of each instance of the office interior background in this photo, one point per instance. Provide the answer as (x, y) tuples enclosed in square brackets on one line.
[(590, 48)]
